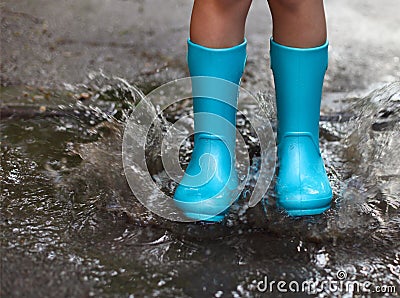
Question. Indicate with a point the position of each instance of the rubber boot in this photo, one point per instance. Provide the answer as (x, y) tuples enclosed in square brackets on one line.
[(302, 185), (209, 185)]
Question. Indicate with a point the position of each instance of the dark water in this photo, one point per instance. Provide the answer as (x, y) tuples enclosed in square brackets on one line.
[(71, 226)]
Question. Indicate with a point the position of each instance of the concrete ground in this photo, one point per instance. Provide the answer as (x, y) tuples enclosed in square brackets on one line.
[(49, 43)]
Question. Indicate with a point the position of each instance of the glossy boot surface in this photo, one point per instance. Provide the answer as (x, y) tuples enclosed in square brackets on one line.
[(209, 185), (302, 186)]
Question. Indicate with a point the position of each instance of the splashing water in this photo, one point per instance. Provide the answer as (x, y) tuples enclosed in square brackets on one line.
[(68, 208)]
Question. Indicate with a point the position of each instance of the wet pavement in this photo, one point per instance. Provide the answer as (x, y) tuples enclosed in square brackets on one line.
[(46, 43), (70, 224)]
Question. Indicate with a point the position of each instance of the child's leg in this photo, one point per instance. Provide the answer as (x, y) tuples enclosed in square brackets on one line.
[(298, 23), (299, 57), (216, 50), (218, 23)]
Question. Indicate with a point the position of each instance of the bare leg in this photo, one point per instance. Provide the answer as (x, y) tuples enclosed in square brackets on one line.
[(298, 23), (218, 23)]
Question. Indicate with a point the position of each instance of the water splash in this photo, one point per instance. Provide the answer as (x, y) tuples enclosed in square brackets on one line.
[(84, 215), (366, 199)]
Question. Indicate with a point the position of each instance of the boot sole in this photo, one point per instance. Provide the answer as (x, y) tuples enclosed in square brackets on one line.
[(305, 212), (205, 217), (210, 218)]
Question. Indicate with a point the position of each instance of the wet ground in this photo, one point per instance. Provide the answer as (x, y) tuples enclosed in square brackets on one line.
[(71, 226)]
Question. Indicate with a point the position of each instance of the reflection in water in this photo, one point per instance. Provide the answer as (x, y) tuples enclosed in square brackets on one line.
[(68, 211)]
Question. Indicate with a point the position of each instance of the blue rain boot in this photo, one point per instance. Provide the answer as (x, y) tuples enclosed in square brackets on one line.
[(302, 185), (209, 185)]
